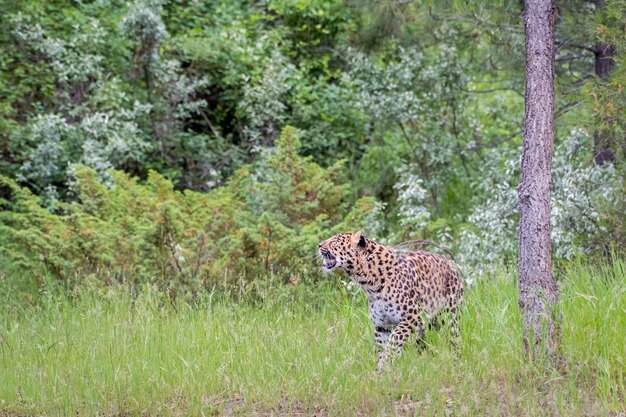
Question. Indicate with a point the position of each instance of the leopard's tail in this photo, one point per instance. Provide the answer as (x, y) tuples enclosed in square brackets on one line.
[(419, 244)]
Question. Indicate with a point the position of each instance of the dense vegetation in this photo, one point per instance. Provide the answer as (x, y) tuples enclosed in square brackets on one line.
[(265, 221), (154, 126)]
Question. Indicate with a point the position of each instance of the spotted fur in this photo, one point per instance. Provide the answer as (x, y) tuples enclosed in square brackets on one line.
[(401, 289)]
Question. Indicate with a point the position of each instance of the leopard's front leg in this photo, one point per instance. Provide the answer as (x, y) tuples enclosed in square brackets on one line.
[(410, 323), (381, 337)]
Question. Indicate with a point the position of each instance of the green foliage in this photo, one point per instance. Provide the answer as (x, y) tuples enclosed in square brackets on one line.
[(269, 217), (420, 101), (312, 28), (612, 221)]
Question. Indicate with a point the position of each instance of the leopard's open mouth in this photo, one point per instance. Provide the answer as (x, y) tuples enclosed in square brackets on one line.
[(328, 262)]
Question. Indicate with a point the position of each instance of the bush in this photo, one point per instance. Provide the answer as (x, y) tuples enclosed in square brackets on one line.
[(268, 218), (586, 200)]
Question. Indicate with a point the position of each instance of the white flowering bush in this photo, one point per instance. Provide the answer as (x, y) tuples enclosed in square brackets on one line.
[(74, 60), (45, 156), (263, 105), (143, 21), (579, 191), (413, 102), (100, 140), (85, 128), (387, 91), (100, 120), (413, 211)]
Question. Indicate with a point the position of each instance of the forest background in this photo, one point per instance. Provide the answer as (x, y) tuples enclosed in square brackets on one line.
[(187, 142)]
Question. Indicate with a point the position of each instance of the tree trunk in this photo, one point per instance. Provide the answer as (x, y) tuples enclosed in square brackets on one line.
[(538, 290), (602, 136)]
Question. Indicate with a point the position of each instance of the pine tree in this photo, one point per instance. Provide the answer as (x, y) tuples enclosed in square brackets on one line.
[(538, 290)]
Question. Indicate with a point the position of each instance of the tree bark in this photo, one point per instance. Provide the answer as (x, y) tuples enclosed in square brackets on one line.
[(538, 290), (604, 61), (602, 136)]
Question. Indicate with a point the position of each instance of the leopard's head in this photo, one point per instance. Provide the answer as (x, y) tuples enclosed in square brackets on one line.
[(345, 251)]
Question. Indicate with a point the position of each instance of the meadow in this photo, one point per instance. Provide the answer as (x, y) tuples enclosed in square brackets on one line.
[(306, 349)]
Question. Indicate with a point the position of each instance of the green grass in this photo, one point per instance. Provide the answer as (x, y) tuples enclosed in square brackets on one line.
[(308, 350)]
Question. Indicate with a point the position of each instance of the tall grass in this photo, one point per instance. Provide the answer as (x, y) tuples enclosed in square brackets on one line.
[(308, 350)]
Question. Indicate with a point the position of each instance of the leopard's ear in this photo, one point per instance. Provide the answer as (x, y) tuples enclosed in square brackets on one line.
[(358, 240)]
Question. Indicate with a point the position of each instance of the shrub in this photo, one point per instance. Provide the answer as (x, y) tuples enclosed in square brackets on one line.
[(268, 218), (585, 201)]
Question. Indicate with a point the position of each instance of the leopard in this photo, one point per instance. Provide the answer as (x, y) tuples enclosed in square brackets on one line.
[(406, 292)]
